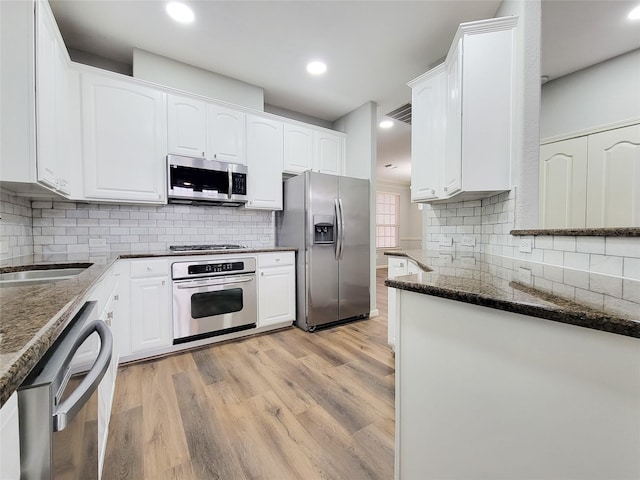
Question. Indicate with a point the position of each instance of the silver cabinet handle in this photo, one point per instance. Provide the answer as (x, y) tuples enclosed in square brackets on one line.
[(74, 403)]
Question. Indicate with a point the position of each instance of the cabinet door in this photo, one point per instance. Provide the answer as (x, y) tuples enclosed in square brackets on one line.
[(298, 148), (226, 134), (452, 179), (276, 295), (187, 126), (125, 140), (264, 160), (47, 102), (329, 153), (150, 313), (613, 187), (428, 142), (563, 184), (10, 439)]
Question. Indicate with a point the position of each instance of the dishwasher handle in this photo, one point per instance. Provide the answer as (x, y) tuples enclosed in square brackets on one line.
[(66, 410)]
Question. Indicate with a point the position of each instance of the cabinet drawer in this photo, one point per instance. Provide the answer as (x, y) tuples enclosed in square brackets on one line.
[(148, 268), (275, 259)]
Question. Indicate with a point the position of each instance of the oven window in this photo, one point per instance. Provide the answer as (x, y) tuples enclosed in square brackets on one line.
[(209, 304)]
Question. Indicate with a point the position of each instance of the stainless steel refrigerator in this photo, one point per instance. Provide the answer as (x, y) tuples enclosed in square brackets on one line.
[(326, 217)]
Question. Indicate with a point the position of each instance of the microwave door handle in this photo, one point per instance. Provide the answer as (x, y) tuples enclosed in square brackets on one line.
[(230, 189), (210, 283), (66, 410)]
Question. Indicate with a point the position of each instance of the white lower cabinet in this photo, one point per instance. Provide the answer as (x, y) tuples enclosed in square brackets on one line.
[(276, 288), (397, 266), (9, 440), (150, 318)]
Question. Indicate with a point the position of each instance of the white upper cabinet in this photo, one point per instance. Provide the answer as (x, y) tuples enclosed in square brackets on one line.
[(613, 188), (226, 134), (329, 155), (37, 98), (428, 122), (204, 129), (298, 148), (187, 126), (563, 183), (308, 148), (478, 97), (124, 140), (265, 150)]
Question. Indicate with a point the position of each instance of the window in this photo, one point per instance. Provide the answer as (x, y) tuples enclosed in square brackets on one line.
[(387, 217)]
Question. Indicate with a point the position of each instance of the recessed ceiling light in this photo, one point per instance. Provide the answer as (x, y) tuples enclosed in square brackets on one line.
[(180, 12), (316, 68), (385, 124), (390, 166), (634, 14)]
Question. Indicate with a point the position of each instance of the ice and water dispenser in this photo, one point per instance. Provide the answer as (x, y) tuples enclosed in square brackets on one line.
[(323, 229)]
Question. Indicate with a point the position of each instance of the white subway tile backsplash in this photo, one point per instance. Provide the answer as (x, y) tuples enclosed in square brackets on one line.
[(623, 246), (567, 244), (606, 265), (590, 244), (631, 268)]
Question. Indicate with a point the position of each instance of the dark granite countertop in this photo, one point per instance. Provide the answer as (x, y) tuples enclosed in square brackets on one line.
[(33, 316), (601, 302), (581, 232)]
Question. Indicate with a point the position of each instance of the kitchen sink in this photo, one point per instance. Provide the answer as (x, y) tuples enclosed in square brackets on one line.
[(37, 276)]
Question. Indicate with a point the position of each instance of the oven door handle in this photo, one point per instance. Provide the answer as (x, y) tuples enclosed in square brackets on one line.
[(74, 403), (206, 283)]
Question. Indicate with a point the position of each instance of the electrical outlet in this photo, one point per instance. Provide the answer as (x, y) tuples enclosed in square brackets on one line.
[(445, 242), (264, 240), (468, 261), (468, 241), (97, 242), (525, 245)]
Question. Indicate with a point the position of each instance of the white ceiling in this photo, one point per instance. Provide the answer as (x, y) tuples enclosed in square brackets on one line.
[(372, 48)]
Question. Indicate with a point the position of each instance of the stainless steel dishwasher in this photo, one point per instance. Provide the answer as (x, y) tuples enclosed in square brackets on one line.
[(58, 405)]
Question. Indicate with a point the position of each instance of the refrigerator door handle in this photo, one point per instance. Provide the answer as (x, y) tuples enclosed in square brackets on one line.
[(341, 230), (338, 228)]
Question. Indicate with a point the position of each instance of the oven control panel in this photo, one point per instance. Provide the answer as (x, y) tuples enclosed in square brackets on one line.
[(209, 268), (216, 268)]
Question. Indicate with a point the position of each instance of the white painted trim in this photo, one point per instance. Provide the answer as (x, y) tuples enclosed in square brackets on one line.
[(591, 130), (374, 313)]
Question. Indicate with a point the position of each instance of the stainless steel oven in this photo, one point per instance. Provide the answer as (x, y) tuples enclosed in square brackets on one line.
[(213, 297)]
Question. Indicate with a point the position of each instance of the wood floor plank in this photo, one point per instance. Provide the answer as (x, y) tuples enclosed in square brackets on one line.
[(124, 460), (128, 393), (165, 444), (209, 456), (209, 369)]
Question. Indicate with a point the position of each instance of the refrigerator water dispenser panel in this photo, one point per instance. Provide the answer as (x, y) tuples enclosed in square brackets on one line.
[(323, 229)]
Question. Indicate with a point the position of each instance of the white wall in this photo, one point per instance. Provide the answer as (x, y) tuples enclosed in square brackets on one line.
[(526, 145), (285, 112), (360, 162), (410, 220), (165, 71), (603, 94)]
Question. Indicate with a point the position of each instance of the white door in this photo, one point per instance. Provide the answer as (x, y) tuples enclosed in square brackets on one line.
[(298, 148), (428, 143), (265, 150), (150, 313), (329, 153), (226, 135), (187, 126), (613, 190), (276, 297), (563, 183), (452, 180), (124, 140)]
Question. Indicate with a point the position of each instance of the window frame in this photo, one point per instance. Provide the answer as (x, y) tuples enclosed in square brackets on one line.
[(395, 226)]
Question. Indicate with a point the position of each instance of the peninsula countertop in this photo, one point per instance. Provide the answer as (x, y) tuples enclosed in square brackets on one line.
[(33, 316), (601, 302)]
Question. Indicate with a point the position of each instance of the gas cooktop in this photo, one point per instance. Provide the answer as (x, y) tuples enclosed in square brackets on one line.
[(217, 246)]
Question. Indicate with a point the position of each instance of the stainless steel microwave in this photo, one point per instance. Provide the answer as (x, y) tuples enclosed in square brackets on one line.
[(200, 181)]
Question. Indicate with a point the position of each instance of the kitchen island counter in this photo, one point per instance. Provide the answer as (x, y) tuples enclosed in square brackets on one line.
[(33, 316), (585, 299)]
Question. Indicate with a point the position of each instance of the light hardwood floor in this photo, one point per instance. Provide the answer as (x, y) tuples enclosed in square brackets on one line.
[(284, 405)]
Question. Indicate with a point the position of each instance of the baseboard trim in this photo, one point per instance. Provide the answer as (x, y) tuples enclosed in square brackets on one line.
[(374, 313)]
